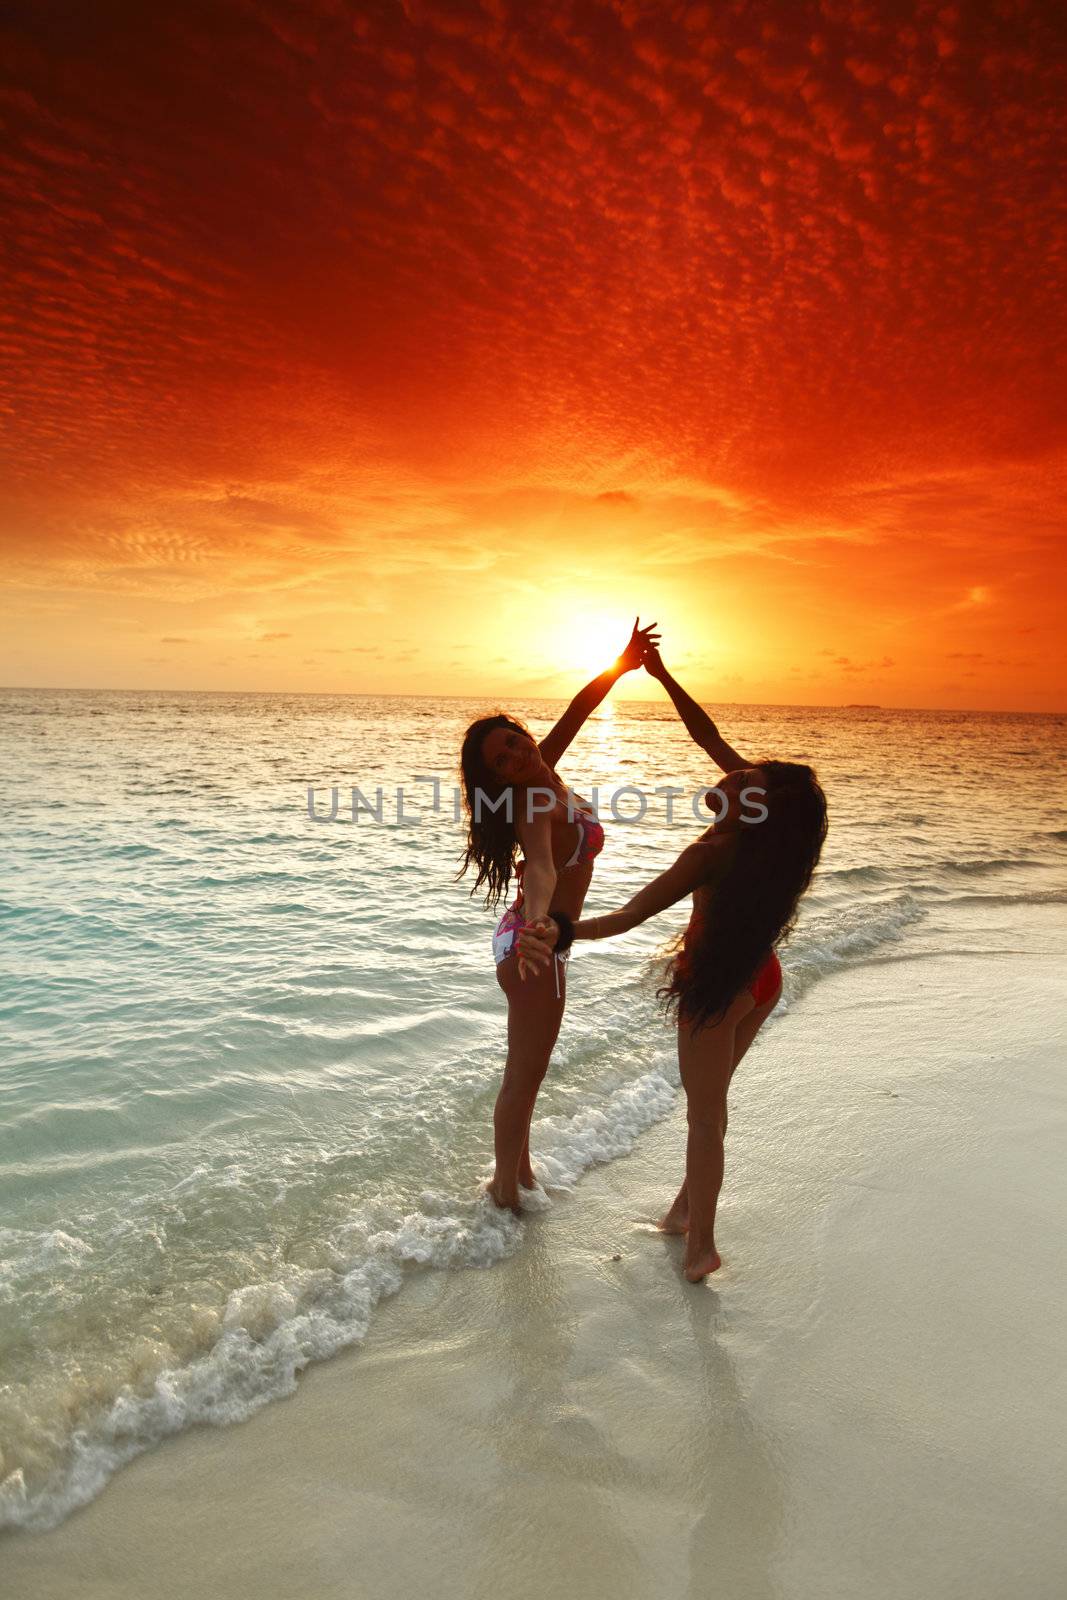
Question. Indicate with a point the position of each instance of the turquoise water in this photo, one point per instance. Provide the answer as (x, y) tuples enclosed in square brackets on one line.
[(250, 1057)]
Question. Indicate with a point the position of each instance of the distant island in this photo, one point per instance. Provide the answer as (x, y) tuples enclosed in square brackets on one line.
[(860, 705)]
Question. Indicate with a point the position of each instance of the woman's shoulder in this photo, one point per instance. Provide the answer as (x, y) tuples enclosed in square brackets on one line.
[(566, 806), (717, 850), (536, 818), (714, 838)]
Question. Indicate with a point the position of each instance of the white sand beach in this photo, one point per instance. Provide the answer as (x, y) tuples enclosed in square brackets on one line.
[(868, 1400)]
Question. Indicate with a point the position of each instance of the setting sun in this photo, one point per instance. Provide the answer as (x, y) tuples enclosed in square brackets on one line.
[(594, 639)]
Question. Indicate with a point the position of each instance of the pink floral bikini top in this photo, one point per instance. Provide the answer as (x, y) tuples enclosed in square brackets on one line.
[(590, 840)]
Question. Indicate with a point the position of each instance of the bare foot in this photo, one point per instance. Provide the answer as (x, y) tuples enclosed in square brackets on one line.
[(500, 1197), (674, 1222), (526, 1177), (702, 1263)]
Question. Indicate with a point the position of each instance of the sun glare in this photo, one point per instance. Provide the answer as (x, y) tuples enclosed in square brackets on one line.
[(595, 640)]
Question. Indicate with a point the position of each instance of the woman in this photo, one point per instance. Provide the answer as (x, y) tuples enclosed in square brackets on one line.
[(746, 874), (514, 799)]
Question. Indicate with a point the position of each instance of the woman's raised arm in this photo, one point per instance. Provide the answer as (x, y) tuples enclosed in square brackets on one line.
[(698, 724), (586, 700)]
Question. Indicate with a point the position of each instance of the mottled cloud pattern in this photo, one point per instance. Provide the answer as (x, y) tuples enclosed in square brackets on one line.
[(294, 289)]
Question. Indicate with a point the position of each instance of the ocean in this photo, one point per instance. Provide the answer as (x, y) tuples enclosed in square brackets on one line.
[(250, 1048)]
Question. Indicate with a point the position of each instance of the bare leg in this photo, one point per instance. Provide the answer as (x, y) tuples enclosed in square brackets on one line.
[(526, 1171), (707, 1061), (676, 1218), (534, 1017)]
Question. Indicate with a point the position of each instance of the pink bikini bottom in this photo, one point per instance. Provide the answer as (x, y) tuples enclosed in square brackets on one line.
[(507, 932)]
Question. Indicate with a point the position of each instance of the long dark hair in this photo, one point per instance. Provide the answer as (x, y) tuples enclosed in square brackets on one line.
[(754, 904), (491, 837)]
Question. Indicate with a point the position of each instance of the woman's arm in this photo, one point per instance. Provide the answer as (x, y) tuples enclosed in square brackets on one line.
[(539, 874), (586, 700), (693, 867), (698, 724)]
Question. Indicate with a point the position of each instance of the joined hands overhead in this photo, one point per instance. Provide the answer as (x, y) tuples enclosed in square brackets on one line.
[(537, 939), (652, 661), (641, 640)]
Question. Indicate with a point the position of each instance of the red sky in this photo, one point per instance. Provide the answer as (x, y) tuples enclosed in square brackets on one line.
[(417, 347)]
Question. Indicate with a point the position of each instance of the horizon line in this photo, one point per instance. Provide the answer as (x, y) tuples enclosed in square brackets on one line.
[(395, 694)]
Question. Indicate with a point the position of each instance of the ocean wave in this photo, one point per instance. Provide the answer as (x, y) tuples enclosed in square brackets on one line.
[(268, 1332), (8, 909), (847, 937), (131, 852), (970, 866), (982, 864), (24, 1253), (1032, 897), (864, 874)]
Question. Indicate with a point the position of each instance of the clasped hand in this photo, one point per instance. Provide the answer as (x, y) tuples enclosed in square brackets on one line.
[(643, 651), (536, 942), (640, 641)]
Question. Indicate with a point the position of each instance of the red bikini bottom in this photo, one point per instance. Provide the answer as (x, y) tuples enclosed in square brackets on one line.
[(764, 985)]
